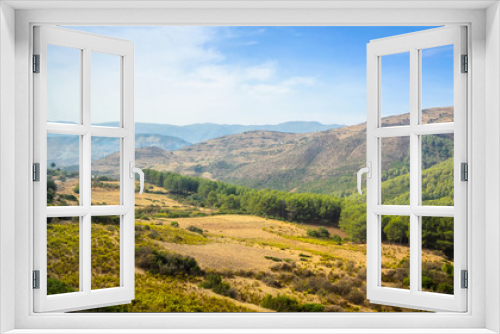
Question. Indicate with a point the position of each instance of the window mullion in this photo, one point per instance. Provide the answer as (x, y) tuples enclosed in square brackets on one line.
[(86, 237), (415, 171)]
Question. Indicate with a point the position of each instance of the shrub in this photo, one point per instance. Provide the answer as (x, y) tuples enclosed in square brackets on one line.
[(168, 264), (343, 287), (55, 287), (314, 285), (272, 258), (280, 303), (445, 288), (51, 185), (406, 281), (447, 268), (174, 224), (211, 281), (76, 189), (68, 197), (334, 308), (104, 178), (337, 238), (311, 308), (320, 233), (194, 229), (106, 220), (270, 281), (283, 303), (154, 234), (356, 297), (427, 282), (215, 283), (283, 267)]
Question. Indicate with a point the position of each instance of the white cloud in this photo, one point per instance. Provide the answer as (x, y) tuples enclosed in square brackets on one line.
[(297, 81), (261, 72), (248, 43), (182, 76)]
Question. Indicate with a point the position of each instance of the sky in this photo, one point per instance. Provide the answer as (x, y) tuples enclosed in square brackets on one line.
[(248, 75)]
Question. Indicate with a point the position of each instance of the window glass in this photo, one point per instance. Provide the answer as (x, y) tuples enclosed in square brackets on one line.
[(437, 254), (106, 165), (437, 84), (395, 171), (63, 84), (395, 252), (437, 169), (105, 252), (63, 255), (395, 89), (105, 89), (63, 170)]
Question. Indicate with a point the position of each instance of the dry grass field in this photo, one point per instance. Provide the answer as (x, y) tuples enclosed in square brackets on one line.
[(257, 258)]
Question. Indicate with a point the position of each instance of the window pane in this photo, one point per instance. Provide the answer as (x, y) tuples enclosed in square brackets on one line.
[(437, 84), (437, 170), (63, 84), (105, 171), (437, 254), (105, 252), (395, 252), (395, 171), (63, 255), (395, 89), (63, 170), (105, 89)]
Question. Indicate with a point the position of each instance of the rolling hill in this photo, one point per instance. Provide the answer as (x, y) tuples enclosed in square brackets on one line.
[(320, 162), (195, 133), (64, 150)]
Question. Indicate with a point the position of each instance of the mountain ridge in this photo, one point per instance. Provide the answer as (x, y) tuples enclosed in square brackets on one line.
[(321, 162), (195, 133)]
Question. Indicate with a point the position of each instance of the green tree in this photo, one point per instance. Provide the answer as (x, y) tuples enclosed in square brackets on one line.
[(397, 229)]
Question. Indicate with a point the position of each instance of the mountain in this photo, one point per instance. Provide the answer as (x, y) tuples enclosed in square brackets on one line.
[(196, 133), (167, 143), (64, 150), (322, 162)]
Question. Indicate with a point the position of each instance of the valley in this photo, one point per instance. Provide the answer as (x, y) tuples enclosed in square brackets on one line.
[(257, 222), (259, 264)]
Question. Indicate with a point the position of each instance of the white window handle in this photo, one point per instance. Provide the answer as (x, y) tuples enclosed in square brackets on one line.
[(139, 171), (363, 170)]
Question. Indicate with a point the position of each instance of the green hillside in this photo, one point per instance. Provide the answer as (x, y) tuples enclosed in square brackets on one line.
[(437, 189)]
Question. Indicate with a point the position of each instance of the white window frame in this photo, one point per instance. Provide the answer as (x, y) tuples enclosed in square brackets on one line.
[(86, 44), (413, 43), (484, 49)]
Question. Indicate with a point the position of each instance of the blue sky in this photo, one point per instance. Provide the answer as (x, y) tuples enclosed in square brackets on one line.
[(265, 75)]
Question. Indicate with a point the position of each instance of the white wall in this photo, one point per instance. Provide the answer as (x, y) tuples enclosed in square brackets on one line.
[(492, 163), (23, 219), (7, 159)]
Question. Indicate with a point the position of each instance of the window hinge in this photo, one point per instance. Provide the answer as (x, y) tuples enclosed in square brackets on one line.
[(36, 172), (465, 171), (465, 64), (465, 279), (36, 63), (36, 279)]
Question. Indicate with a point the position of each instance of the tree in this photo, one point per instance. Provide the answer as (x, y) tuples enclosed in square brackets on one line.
[(397, 229)]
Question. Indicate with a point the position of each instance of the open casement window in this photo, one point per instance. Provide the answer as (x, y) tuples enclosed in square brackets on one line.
[(417, 210), (78, 77)]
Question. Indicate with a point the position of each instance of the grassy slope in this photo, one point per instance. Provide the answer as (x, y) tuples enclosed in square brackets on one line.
[(256, 256)]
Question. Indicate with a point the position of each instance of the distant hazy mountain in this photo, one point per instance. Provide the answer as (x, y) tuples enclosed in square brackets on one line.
[(167, 143), (64, 150), (196, 133)]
